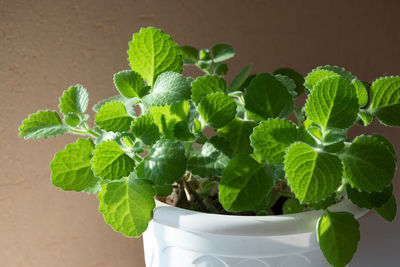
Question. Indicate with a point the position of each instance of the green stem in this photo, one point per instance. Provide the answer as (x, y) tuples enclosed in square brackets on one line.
[(78, 131), (89, 131)]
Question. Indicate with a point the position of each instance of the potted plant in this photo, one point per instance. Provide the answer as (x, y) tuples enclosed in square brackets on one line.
[(212, 197)]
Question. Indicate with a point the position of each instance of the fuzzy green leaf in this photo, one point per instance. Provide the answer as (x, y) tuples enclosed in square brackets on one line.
[(42, 124), (128, 102), (145, 129), (206, 85), (240, 78), (182, 131), (152, 52), (385, 100), (129, 83), (369, 164), (74, 100), (110, 161), (362, 94), (295, 76), (113, 117), (72, 119), (338, 234), (127, 205), (388, 210), (71, 167), (271, 138), (165, 163), (369, 200), (288, 83), (365, 117), (266, 98), (316, 76), (245, 183), (222, 52), (311, 174), (217, 109), (190, 55), (333, 103)]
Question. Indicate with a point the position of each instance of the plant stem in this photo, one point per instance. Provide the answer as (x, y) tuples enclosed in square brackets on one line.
[(196, 197), (89, 131)]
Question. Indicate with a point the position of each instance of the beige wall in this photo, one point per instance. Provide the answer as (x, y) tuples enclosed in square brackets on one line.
[(45, 46)]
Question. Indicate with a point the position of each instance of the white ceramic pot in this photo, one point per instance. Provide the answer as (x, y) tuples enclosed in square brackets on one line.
[(183, 238)]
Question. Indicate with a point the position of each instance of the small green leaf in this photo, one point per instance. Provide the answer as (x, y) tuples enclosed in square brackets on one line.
[(206, 85), (110, 161), (292, 205), (240, 78), (271, 138), (385, 100), (74, 100), (338, 70), (169, 88), (237, 133), (165, 163), (190, 55), (221, 69), (145, 129), (128, 83), (369, 164), (369, 200), (316, 76), (245, 183), (152, 52), (266, 98), (113, 117), (288, 83), (365, 116), (127, 205), (362, 94), (72, 119), (71, 167), (163, 190), (338, 234), (43, 124), (182, 131), (222, 52), (334, 136), (217, 109), (388, 210), (295, 76), (312, 175), (333, 103), (128, 102)]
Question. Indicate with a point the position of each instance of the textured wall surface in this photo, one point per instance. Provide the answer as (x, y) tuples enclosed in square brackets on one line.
[(45, 46)]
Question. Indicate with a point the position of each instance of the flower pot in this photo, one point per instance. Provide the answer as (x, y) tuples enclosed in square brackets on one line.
[(182, 238)]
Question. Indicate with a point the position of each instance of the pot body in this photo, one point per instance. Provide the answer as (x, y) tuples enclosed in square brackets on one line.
[(182, 238)]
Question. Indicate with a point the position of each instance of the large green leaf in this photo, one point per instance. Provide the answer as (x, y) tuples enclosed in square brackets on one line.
[(271, 138), (245, 183), (222, 52), (127, 205), (240, 78), (369, 164), (266, 98), (152, 52), (169, 88), (338, 234), (206, 85), (385, 100), (129, 83), (295, 76), (110, 161), (112, 116), (333, 103), (165, 163), (369, 200), (312, 175), (74, 100), (388, 210), (213, 159), (237, 133), (145, 129), (42, 124), (217, 109), (71, 167)]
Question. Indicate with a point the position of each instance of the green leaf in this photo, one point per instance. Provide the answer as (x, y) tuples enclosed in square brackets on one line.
[(369, 164), (71, 167), (190, 55), (169, 88), (288, 83), (338, 234), (152, 52), (324, 204), (369, 200), (334, 136), (312, 175), (163, 190), (388, 210), (295, 76), (338, 70), (167, 116), (245, 183), (237, 133), (362, 94), (222, 52), (128, 83), (72, 119), (385, 100), (217, 109), (182, 131), (266, 98), (110, 161), (74, 100), (365, 116), (316, 76), (127, 205), (128, 102), (213, 159), (240, 78), (207, 85), (333, 103), (42, 124), (145, 129), (165, 163), (271, 138), (112, 116), (221, 69), (292, 205)]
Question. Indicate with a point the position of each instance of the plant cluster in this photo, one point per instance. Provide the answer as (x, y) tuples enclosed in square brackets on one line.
[(149, 141)]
